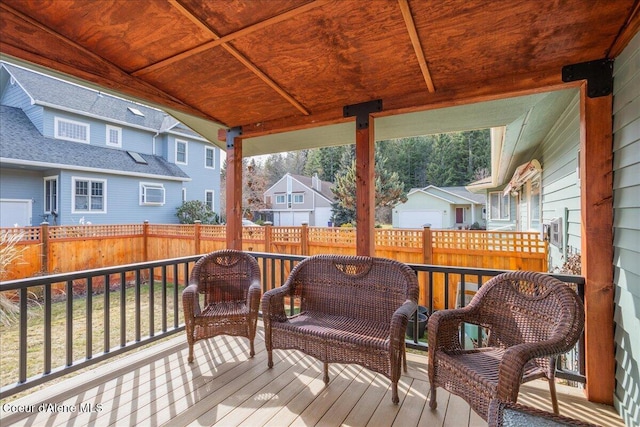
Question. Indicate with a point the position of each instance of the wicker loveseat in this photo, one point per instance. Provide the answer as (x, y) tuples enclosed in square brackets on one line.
[(353, 309), (531, 318)]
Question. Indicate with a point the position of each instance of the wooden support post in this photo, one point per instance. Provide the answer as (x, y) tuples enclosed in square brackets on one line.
[(304, 239), (427, 245), (596, 207), (365, 192), (234, 189), (197, 229), (145, 241), (365, 174), (268, 228), (44, 250)]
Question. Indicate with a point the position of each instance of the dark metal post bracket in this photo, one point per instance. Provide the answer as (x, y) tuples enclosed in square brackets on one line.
[(598, 74), (231, 135), (361, 112)]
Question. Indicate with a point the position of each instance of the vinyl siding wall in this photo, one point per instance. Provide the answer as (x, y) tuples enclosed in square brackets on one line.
[(122, 200), (560, 183), (626, 204), (202, 179), (19, 184)]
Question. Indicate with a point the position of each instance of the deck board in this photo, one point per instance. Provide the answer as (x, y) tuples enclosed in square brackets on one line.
[(224, 387)]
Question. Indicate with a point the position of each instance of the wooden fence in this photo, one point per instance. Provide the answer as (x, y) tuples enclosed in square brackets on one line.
[(60, 249)]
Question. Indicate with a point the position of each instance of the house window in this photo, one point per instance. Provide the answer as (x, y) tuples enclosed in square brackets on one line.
[(208, 198), (151, 194), (71, 130), (181, 152), (184, 194), (51, 194), (298, 198), (209, 158), (499, 206), (280, 199), (89, 195), (114, 136)]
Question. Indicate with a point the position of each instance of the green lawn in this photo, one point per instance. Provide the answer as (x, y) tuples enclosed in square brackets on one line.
[(9, 335)]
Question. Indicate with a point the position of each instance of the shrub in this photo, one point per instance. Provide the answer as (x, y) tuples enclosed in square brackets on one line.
[(9, 255), (196, 210)]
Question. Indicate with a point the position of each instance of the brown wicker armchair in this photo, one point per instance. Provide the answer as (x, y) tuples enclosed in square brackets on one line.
[(230, 283), (353, 309), (531, 318)]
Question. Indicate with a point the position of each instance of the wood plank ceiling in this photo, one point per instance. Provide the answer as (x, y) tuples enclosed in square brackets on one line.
[(276, 65)]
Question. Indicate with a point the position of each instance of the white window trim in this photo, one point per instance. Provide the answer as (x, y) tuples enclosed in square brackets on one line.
[(213, 198), (119, 131), (206, 149), (298, 195), (56, 124), (73, 195), (142, 193), (508, 218), (186, 152), (44, 202), (280, 197)]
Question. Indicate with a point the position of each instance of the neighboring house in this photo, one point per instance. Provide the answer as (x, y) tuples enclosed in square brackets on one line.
[(441, 207), (70, 154), (297, 199)]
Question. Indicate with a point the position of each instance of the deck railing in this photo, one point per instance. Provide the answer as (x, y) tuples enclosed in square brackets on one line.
[(67, 322)]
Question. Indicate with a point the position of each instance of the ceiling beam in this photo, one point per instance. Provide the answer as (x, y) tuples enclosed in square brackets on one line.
[(415, 41), (236, 54), (104, 73), (231, 36)]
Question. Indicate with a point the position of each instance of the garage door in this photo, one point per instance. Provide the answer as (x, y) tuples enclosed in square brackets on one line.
[(417, 219), (15, 211)]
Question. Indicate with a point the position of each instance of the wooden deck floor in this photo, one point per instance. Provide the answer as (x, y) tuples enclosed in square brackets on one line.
[(223, 387)]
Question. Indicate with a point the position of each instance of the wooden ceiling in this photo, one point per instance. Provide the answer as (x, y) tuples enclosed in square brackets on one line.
[(277, 65)]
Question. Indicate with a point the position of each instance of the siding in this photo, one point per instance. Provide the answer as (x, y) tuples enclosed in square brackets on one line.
[(19, 184), (560, 186), (626, 204), (122, 201)]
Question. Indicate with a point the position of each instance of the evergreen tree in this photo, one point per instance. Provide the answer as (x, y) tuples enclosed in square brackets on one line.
[(388, 188)]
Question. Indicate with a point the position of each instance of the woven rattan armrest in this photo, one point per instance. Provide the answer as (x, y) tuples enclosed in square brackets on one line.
[(191, 302), (273, 304), (444, 328), (253, 296), (400, 319)]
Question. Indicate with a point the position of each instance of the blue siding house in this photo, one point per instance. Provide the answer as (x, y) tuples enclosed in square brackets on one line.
[(72, 155)]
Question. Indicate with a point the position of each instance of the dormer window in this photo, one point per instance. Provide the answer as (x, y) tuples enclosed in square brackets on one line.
[(114, 136), (71, 130)]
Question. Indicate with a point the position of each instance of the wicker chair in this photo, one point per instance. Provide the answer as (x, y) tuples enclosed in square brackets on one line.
[(230, 283), (531, 318), (353, 309)]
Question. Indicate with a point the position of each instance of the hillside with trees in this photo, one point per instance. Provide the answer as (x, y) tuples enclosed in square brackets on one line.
[(443, 160)]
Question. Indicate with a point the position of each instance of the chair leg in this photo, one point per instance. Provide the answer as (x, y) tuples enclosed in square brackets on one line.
[(190, 358), (252, 351), (554, 398), (326, 373), (270, 358), (404, 358), (432, 398), (394, 393)]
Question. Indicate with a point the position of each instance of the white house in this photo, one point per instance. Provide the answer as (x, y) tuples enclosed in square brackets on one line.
[(297, 199), (446, 207)]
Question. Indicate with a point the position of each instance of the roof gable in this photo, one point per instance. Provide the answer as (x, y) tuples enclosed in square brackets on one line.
[(21, 143), (325, 187), (55, 93)]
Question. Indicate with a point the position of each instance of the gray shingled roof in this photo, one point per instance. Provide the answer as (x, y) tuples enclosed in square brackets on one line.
[(48, 90), (21, 141), (325, 187)]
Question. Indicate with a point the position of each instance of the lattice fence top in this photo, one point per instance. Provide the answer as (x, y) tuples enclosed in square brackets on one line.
[(83, 231)]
